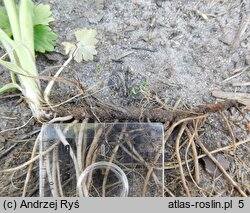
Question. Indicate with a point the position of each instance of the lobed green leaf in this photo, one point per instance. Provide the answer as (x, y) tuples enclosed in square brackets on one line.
[(42, 14), (45, 38)]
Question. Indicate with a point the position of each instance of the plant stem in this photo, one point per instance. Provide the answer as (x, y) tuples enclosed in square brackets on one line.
[(13, 18), (26, 25), (22, 54)]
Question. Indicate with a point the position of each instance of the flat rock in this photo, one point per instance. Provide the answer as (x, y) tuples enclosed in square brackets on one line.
[(212, 169)]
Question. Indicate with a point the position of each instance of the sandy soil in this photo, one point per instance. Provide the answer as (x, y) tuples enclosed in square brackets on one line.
[(179, 50)]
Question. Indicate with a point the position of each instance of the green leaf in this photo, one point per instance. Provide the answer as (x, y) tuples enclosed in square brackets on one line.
[(133, 91), (86, 44), (85, 48), (13, 67), (24, 58), (42, 14), (8, 87), (4, 21), (44, 38)]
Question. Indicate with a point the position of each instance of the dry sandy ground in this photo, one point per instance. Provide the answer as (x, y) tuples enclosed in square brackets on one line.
[(180, 50)]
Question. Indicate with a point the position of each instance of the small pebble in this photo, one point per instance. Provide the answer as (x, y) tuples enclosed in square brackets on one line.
[(159, 3), (247, 60), (2, 139)]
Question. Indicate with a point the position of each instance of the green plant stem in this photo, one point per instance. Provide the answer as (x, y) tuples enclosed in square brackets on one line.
[(26, 25), (13, 18), (21, 53)]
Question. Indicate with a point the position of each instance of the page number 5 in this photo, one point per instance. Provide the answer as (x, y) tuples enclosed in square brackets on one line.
[(241, 204)]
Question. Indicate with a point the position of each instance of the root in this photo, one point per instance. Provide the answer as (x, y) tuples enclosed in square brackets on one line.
[(195, 156), (30, 161), (228, 177), (167, 135), (114, 152), (106, 113), (169, 166), (230, 131), (189, 126), (17, 128), (30, 166), (177, 149)]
